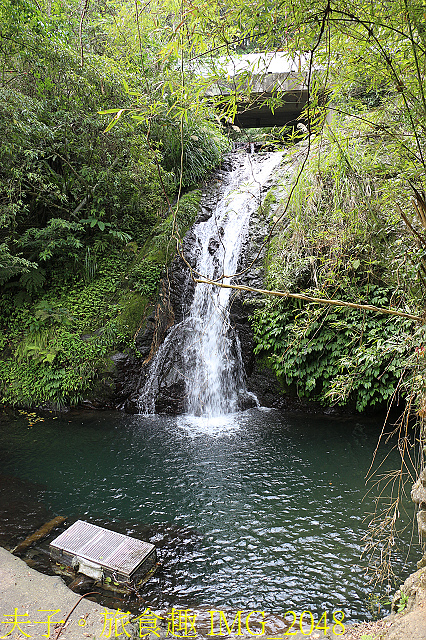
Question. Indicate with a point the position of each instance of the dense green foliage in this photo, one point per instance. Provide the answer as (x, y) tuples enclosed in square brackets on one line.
[(86, 228), (336, 355), (343, 238), (55, 350), (104, 119)]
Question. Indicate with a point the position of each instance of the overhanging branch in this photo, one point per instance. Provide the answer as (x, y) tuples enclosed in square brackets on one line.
[(301, 296)]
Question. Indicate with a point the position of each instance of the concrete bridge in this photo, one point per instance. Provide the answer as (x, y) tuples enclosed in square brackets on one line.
[(257, 78)]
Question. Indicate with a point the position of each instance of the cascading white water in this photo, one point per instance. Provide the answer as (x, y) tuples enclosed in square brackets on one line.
[(210, 354)]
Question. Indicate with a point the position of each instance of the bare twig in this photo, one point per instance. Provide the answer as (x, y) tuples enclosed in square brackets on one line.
[(80, 29), (300, 296)]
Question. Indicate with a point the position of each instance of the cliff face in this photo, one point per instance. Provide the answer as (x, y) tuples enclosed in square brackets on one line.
[(325, 242), (418, 496), (176, 294)]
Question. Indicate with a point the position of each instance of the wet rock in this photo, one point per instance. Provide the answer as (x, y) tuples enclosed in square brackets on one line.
[(126, 371), (164, 375), (239, 318), (263, 383), (145, 337), (170, 399), (418, 492), (246, 400), (213, 246), (81, 584), (421, 524), (130, 405), (204, 215), (181, 286), (94, 403)]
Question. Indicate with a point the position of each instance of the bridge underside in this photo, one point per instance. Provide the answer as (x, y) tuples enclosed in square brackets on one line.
[(259, 114), (287, 91)]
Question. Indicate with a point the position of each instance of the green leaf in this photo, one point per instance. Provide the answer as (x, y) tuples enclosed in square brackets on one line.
[(105, 111)]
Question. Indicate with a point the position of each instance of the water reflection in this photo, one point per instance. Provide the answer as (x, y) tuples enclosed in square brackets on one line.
[(251, 511)]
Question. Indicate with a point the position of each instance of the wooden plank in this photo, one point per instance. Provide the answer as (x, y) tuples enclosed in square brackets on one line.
[(37, 535)]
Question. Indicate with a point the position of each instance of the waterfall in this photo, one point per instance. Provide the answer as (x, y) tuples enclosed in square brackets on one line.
[(202, 351)]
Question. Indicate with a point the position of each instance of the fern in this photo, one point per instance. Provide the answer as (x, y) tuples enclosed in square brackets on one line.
[(12, 265), (33, 280)]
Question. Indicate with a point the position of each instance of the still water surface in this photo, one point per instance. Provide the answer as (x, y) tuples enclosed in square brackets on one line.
[(253, 511)]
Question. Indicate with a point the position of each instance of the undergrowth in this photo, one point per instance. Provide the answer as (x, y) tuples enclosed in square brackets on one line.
[(55, 347), (335, 355), (343, 238)]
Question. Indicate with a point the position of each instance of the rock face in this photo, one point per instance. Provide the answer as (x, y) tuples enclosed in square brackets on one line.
[(411, 594), (177, 290), (418, 492), (167, 311), (418, 496), (410, 623)]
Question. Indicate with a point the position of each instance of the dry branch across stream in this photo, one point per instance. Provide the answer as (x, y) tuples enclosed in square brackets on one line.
[(301, 296)]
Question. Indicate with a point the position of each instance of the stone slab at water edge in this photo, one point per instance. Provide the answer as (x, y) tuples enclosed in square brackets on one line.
[(28, 592)]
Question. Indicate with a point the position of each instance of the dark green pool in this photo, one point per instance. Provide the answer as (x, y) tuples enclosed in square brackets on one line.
[(255, 511)]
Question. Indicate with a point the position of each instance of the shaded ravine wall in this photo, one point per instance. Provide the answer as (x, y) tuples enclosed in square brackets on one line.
[(177, 290), (120, 387)]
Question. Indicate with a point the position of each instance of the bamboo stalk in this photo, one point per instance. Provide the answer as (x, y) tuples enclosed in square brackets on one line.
[(301, 296), (419, 206), (421, 239)]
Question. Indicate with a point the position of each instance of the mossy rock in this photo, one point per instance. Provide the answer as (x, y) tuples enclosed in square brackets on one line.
[(133, 312)]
